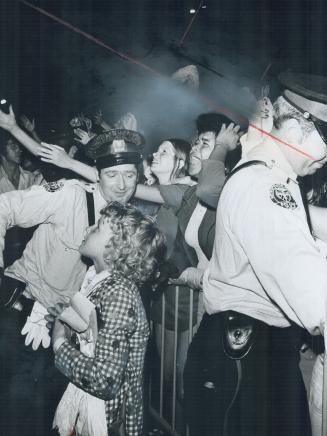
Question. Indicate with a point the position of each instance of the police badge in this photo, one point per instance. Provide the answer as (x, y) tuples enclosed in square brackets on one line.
[(53, 186), (279, 194)]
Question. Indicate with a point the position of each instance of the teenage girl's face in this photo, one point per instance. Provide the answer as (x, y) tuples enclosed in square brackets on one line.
[(164, 159)]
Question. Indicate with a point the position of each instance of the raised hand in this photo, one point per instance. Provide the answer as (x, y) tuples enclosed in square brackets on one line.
[(263, 116), (228, 137), (82, 136), (8, 121), (150, 179), (98, 117), (28, 124), (261, 122)]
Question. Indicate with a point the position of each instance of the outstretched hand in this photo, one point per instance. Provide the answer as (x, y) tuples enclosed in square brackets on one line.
[(55, 155), (191, 277)]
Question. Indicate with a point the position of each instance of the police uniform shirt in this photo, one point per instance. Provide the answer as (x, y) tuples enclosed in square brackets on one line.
[(51, 264), (265, 262)]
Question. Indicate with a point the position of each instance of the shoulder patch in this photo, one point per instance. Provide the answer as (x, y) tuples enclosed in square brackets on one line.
[(280, 195), (53, 186)]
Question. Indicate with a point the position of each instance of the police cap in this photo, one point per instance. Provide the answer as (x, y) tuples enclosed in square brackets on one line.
[(115, 147)]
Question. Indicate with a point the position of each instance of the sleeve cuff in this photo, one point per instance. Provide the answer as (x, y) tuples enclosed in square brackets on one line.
[(58, 343)]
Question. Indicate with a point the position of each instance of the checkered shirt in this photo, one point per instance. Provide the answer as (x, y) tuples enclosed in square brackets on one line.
[(117, 366)]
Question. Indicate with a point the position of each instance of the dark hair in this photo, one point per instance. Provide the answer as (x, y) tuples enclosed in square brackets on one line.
[(211, 122), (136, 246), (182, 151), (316, 184), (4, 138)]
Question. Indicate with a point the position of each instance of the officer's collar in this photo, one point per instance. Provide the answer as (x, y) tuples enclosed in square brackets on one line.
[(269, 151)]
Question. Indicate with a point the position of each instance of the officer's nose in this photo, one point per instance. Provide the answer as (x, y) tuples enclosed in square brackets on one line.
[(121, 183)]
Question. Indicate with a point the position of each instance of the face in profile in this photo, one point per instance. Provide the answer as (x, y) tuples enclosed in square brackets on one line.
[(95, 239), (313, 156), (118, 183), (201, 151)]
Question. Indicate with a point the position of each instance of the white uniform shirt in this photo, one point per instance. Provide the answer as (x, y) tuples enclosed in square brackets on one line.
[(265, 262), (51, 264)]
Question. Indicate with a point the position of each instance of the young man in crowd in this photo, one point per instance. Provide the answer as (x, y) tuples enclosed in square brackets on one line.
[(12, 175)]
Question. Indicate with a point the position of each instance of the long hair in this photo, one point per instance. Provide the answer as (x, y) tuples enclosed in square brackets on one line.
[(182, 153)]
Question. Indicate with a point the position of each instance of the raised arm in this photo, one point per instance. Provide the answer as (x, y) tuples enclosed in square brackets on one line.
[(149, 193), (56, 155), (98, 119), (8, 122), (27, 208), (29, 125)]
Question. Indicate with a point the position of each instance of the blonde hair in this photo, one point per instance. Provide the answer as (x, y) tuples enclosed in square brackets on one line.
[(136, 246)]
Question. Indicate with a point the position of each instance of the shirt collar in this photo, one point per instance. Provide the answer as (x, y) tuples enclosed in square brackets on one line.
[(269, 151)]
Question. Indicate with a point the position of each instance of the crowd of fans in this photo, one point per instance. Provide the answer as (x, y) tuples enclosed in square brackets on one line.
[(147, 224)]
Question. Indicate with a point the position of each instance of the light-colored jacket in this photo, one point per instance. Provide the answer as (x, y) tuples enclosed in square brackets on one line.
[(51, 264), (265, 262), (26, 179)]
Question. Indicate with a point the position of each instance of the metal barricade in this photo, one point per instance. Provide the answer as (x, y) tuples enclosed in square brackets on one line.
[(158, 406)]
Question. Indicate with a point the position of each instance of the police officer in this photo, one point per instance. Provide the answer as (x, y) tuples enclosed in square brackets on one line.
[(51, 269), (267, 277)]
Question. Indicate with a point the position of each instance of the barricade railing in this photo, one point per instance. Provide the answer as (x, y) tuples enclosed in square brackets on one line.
[(167, 412)]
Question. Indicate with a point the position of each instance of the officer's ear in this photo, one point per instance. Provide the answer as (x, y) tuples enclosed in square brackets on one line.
[(292, 131)]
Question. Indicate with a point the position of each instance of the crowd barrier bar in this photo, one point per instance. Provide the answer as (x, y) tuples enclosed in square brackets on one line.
[(157, 413)]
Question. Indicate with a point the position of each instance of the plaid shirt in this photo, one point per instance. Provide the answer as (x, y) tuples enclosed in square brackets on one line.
[(117, 366)]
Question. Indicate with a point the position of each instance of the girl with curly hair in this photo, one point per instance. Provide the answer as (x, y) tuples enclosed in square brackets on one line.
[(106, 372)]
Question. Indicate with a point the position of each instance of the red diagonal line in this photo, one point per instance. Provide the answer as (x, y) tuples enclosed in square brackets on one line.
[(158, 73), (240, 118), (92, 38), (281, 141)]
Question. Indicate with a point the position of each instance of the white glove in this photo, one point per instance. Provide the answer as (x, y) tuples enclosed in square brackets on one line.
[(191, 277), (35, 328)]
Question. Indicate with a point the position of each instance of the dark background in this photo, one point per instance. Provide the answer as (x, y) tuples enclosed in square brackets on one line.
[(51, 72)]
